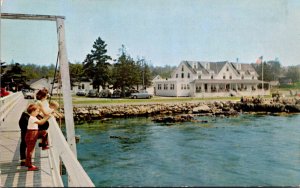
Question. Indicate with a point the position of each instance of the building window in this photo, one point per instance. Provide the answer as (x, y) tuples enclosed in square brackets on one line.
[(181, 86), (82, 86), (182, 75), (188, 86), (165, 86), (199, 76), (242, 77), (212, 77), (230, 77), (224, 77), (184, 85), (159, 86), (227, 69), (172, 86), (176, 75), (189, 75), (252, 77), (182, 68)]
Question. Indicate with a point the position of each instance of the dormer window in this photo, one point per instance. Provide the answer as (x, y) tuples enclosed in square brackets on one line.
[(230, 77), (227, 69), (182, 68), (212, 77), (176, 75), (189, 75), (224, 77)]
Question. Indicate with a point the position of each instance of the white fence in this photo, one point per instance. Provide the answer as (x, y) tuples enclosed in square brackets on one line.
[(7, 103), (60, 150)]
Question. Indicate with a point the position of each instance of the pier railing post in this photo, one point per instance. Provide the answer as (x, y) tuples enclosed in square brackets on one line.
[(66, 87)]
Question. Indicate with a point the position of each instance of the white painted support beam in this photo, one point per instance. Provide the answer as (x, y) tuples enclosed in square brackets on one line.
[(66, 89), (66, 85), (30, 17)]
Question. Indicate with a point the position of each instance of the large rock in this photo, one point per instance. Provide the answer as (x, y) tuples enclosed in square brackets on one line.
[(293, 108), (202, 109)]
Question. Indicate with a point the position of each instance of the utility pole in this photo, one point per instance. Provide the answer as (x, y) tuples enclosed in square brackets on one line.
[(143, 73), (262, 75)]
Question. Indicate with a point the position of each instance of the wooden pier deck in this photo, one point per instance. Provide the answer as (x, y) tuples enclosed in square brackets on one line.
[(12, 174)]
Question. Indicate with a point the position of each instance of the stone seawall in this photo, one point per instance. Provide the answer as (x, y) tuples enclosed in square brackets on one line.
[(217, 108)]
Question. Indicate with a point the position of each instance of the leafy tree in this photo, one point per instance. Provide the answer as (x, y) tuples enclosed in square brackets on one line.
[(14, 78), (272, 70), (268, 75), (275, 69), (31, 71), (76, 72), (293, 73), (164, 72), (125, 73), (96, 65)]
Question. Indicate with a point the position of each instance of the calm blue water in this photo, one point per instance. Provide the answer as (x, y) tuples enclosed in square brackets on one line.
[(249, 150)]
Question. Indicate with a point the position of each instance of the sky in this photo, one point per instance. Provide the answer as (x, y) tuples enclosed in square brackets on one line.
[(164, 32)]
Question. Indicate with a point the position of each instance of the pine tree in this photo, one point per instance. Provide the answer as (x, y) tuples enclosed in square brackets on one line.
[(96, 65)]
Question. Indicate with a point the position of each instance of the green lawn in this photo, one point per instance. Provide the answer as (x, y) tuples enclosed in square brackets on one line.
[(86, 100), (295, 86)]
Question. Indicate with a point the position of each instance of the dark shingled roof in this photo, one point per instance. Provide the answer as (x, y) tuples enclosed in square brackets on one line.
[(216, 67)]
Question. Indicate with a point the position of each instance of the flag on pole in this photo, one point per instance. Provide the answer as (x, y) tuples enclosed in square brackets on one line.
[(259, 60)]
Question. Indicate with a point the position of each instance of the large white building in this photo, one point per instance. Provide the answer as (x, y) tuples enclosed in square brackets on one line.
[(211, 79)]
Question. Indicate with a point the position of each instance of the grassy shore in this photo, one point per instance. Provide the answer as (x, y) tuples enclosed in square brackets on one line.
[(115, 101)]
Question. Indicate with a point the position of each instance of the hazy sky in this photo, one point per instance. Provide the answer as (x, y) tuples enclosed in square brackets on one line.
[(165, 32)]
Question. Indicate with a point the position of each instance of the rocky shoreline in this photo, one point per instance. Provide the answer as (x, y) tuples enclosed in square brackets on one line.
[(171, 112)]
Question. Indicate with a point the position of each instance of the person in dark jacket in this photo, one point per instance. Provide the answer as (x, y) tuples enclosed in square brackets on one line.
[(23, 122)]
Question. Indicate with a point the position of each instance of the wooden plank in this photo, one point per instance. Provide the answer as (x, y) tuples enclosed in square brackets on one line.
[(12, 174), (30, 17)]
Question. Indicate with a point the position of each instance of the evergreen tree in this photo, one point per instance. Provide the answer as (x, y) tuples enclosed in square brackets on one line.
[(125, 72), (96, 65)]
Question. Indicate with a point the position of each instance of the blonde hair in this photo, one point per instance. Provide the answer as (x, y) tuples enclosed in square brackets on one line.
[(54, 104)]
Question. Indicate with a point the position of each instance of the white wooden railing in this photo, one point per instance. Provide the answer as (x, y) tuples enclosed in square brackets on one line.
[(60, 150), (7, 103)]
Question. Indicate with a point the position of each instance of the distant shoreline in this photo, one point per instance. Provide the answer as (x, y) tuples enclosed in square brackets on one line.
[(209, 108)]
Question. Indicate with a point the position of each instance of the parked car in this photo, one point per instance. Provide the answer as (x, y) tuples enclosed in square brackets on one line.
[(105, 93), (81, 92), (28, 93), (143, 94), (129, 91), (93, 93), (116, 94)]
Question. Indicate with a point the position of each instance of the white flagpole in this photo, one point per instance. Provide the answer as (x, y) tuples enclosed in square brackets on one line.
[(262, 75)]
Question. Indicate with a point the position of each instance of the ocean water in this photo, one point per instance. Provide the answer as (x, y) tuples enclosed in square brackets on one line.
[(248, 150)]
